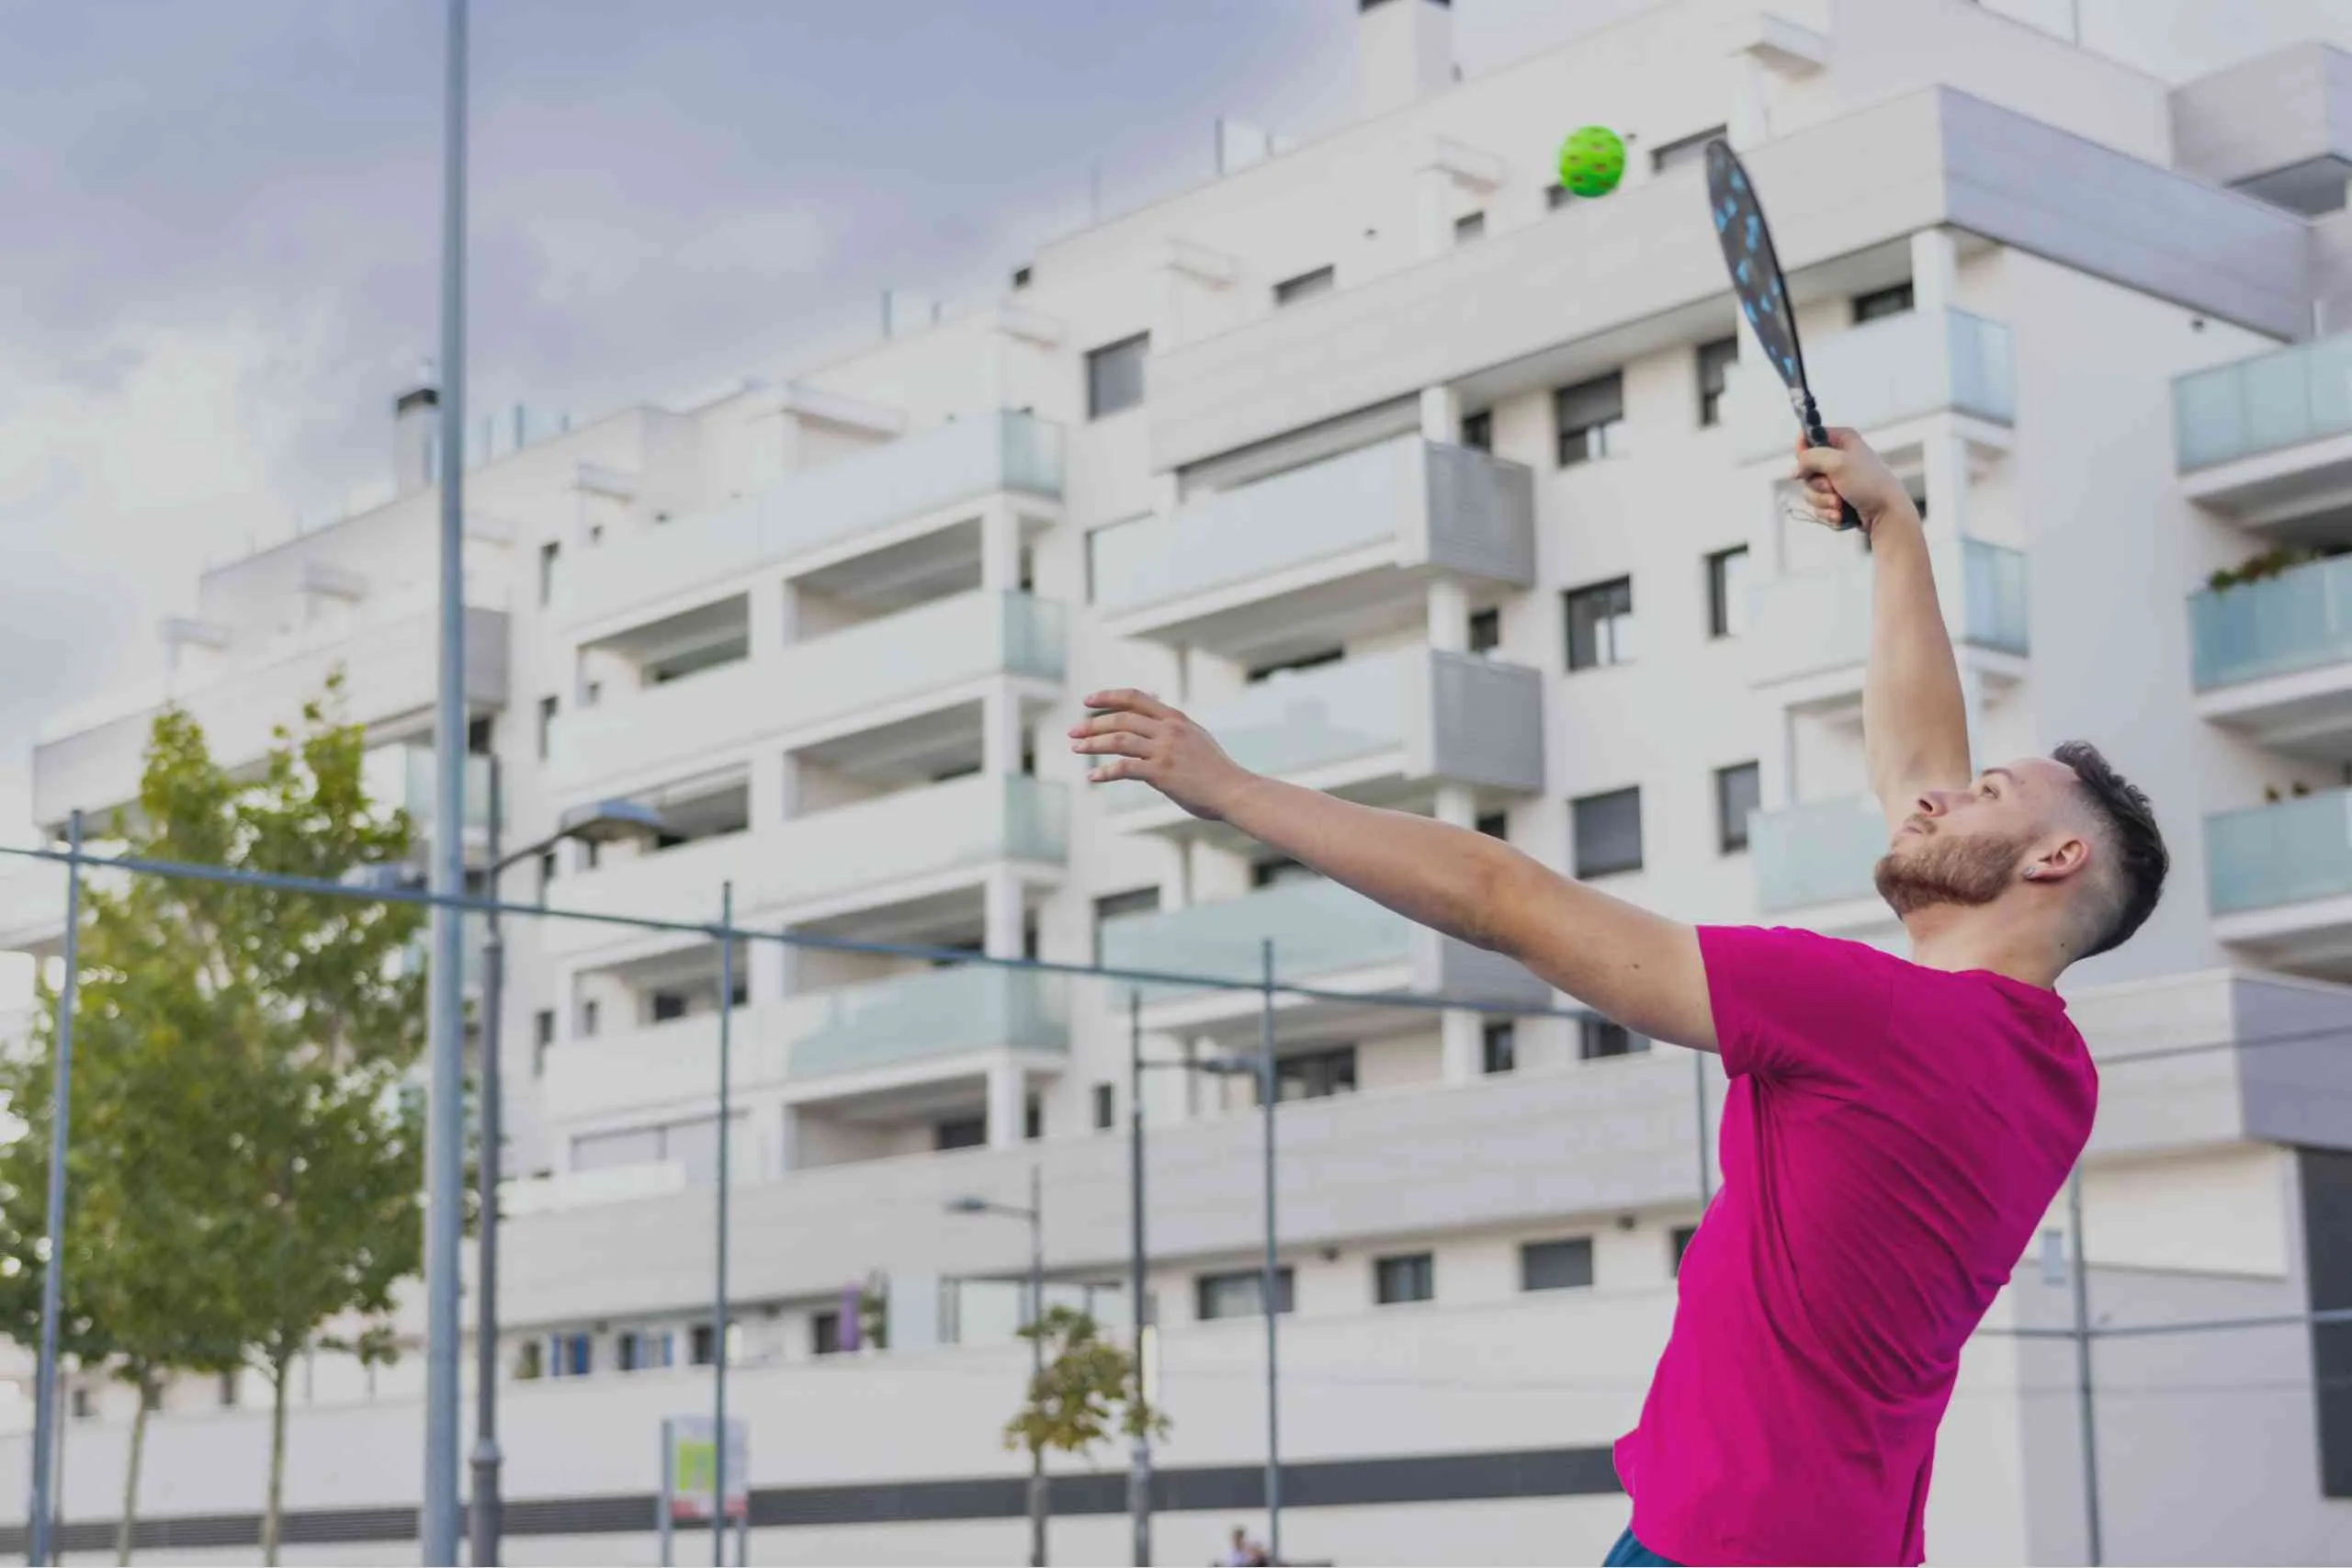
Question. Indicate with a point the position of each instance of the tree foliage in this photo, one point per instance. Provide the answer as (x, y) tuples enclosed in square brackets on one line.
[(1088, 1388)]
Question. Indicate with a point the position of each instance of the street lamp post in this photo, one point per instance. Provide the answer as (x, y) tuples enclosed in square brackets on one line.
[(1035, 1216), (603, 822), (1139, 1469)]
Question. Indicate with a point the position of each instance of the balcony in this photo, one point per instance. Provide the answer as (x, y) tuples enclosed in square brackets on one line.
[(2269, 439), (2274, 659), (2278, 878), (1884, 374), (389, 658), (873, 497), (865, 676), (1326, 543), (1811, 634), (1324, 936), (896, 1030), (1366, 725), (1815, 862), (909, 844), (411, 781)]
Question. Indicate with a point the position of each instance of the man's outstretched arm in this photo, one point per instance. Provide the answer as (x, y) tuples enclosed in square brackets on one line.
[(1915, 723), (1640, 969)]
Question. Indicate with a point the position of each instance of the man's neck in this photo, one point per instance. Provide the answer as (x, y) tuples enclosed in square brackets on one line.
[(1954, 938)]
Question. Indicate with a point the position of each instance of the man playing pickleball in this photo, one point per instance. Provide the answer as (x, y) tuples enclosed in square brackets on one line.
[(1895, 1130)]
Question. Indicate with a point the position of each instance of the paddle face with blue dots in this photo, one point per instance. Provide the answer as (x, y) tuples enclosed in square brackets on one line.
[(1763, 296)]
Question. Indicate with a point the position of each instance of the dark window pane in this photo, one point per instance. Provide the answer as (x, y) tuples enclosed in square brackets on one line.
[(1499, 1047), (1882, 302), (1737, 792), (1469, 226), (1239, 1295), (1599, 1037), (1558, 195), (824, 1333), (1105, 1107), (1688, 150), (962, 1132), (1681, 1241), (1305, 286), (1412, 1278), (1600, 624), (1607, 831), (1727, 592), (1590, 417), (1033, 1118), (1478, 430), (1715, 359), (1315, 660), (1556, 1264), (1278, 871), (1114, 376), (1486, 631), (1316, 1075), (1494, 824)]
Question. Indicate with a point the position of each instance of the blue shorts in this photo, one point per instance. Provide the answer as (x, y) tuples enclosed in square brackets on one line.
[(1629, 1550)]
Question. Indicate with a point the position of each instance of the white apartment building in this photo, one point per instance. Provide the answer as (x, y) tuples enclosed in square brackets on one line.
[(1418, 482)]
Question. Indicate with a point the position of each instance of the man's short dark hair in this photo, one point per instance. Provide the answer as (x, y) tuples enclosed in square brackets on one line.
[(2137, 852)]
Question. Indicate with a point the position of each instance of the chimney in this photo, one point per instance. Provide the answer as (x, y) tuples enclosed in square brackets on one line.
[(416, 424), (1404, 51)]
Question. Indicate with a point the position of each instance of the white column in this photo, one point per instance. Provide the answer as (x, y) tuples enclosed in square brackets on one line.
[(1449, 616), (1462, 1044), (1000, 731), (1457, 806), (1944, 458), (1008, 1105), (1441, 414), (787, 1138), (1749, 123), (1003, 915), (1934, 269), (1000, 549)]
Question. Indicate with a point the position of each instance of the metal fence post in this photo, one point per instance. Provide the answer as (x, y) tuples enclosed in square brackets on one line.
[(2083, 1386), (1270, 1094), (1139, 1463), (718, 1306), (52, 1274)]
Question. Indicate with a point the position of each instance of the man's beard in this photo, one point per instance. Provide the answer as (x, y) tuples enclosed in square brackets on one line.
[(1970, 872)]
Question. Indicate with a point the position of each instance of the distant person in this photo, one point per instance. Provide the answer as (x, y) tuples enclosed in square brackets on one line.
[(1895, 1130), (1244, 1552)]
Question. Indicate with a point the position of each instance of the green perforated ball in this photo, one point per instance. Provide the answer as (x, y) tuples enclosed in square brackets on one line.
[(1592, 160)]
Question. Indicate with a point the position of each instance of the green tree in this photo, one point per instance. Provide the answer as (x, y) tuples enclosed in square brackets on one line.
[(261, 1066), (1088, 1388)]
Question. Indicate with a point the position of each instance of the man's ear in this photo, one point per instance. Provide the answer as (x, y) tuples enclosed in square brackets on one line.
[(2058, 858)]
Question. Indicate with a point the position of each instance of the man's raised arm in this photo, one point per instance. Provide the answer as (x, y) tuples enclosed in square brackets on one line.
[(1640, 969), (1915, 723)]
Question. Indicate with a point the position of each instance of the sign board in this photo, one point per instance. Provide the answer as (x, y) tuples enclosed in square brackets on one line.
[(690, 1470)]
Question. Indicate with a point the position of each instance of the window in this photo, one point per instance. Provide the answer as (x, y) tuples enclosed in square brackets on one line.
[(1277, 871), (542, 1038), (1033, 1118), (1499, 1047), (571, 1355), (644, 1349), (1681, 1242), (1688, 150), (1882, 302), (549, 554), (1478, 431), (1737, 793), (1316, 1075), (1114, 376), (668, 1005), (1020, 278), (588, 1018), (960, 1133), (1106, 1107), (1590, 417), (1599, 1037), (1556, 1264), (548, 862), (1411, 1278), (1319, 658), (83, 1406), (546, 725), (1557, 195), (1469, 227), (1600, 625), (1727, 592), (479, 736), (530, 1361), (1607, 831), (1239, 1294), (228, 1390), (1486, 631), (824, 1333), (1715, 360), (1494, 824), (1305, 286)]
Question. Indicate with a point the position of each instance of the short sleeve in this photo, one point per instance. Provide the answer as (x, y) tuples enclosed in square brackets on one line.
[(1794, 1004)]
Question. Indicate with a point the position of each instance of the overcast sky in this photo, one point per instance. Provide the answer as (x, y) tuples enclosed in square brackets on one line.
[(220, 257)]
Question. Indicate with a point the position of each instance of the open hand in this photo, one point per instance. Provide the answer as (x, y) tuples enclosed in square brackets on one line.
[(1139, 737), (1847, 467)]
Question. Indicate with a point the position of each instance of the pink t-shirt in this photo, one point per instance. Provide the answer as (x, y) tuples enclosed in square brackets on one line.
[(1891, 1139)]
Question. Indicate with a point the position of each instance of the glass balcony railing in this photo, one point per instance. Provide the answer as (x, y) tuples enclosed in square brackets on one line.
[(1993, 600), (973, 1007), (1310, 719), (419, 783), (1899, 367), (2289, 852), (1318, 927), (922, 649), (2264, 405), (918, 832), (2298, 620), (1821, 853)]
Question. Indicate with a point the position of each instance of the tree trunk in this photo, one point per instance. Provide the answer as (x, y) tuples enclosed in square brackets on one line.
[(129, 1523), (281, 1367)]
